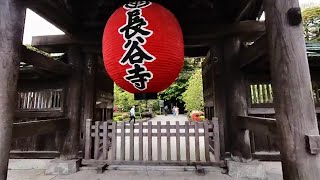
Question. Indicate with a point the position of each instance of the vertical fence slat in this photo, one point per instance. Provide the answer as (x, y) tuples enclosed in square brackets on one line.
[(50, 99), (216, 139), (140, 141), (178, 141), (123, 141), (159, 140), (150, 141), (197, 149), (206, 141), (252, 143), (114, 140), (102, 114), (105, 141), (168, 141), (187, 141), (96, 140), (88, 146), (39, 99), (131, 141)]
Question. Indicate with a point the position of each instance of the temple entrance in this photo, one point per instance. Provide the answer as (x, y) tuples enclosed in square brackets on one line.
[(166, 140)]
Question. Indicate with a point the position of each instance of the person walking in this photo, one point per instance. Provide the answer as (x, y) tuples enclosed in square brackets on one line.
[(132, 115), (177, 111), (174, 111), (165, 110)]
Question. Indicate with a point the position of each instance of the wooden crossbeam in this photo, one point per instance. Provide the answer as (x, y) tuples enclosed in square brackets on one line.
[(252, 53), (43, 62), (258, 124), (195, 38), (208, 33), (53, 13), (32, 128)]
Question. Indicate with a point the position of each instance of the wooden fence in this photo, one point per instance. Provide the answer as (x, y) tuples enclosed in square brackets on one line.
[(103, 141)]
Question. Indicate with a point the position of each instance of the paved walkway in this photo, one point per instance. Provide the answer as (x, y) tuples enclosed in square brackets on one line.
[(119, 175), (33, 169)]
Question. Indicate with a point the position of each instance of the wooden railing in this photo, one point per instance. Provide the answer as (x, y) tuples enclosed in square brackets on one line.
[(266, 126), (262, 126), (41, 100), (261, 94), (33, 128), (104, 140)]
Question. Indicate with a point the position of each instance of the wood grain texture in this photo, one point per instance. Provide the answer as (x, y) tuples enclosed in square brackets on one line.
[(123, 141), (220, 95), (168, 141), (114, 142), (141, 141), (178, 141), (236, 99), (197, 144), (73, 102), (12, 18), (96, 140), (293, 100), (206, 141), (105, 142), (89, 89), (159, 141), (88, 142), (187, 141), (131, 141), (149, 141)]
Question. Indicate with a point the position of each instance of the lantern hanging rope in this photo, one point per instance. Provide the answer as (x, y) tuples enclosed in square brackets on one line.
[(143, 48)]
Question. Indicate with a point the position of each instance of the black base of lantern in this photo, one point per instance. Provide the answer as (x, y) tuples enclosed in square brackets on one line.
[(145, 96)]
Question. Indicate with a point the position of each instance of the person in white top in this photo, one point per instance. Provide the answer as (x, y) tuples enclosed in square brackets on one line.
[(177, 110), (132, 114)]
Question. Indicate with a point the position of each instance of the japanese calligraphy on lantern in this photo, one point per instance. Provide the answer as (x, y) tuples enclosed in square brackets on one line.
[(135, 34)]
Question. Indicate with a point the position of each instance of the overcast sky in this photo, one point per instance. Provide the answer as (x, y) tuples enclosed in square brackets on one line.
[(37, 26)]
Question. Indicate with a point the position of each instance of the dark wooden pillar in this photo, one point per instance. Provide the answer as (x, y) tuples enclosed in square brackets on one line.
[(236, 100), (12, 16), (73, 103), (294, 106), (88, 90), (219, 86)]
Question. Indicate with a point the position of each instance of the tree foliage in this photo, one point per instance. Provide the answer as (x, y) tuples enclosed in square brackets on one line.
[(193, 96), (311, 23), (122, 99), (180, 85), (125, 100)]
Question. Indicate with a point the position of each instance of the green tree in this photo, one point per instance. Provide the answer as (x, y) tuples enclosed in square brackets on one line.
[(311, 23), (122, 99), (180, 85), (193, 96)]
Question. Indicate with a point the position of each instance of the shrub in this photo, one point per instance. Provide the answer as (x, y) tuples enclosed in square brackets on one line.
[(125, 116), (117, 118)]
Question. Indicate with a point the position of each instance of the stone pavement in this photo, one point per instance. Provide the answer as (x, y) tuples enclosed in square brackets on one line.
[(139, 173), (144, 173)]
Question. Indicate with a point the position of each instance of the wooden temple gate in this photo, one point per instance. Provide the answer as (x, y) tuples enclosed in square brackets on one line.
[(106, 142), (227, 29), (259, 116)]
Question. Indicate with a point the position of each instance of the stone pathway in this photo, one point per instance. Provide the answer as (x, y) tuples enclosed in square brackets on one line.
[(119, 175)]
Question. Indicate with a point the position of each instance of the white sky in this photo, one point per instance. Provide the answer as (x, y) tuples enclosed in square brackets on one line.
[(37, 26)]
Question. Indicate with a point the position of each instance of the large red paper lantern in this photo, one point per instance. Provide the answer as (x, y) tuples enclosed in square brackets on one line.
[(143, 48)]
